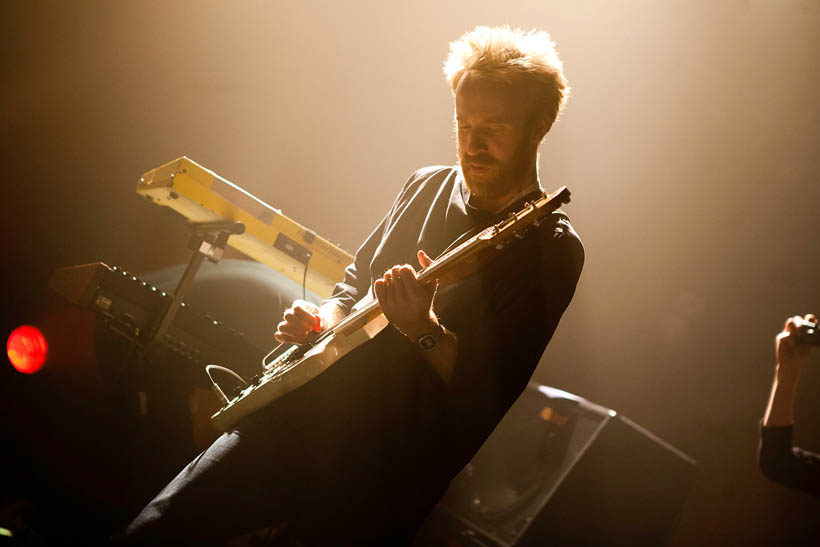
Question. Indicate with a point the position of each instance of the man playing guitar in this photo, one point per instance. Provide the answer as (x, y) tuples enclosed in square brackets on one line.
[(361, 453)]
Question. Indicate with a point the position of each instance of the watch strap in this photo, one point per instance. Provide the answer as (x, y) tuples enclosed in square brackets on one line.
[(430, 340)]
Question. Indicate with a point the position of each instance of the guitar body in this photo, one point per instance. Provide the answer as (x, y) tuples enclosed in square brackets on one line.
[(274, 383)]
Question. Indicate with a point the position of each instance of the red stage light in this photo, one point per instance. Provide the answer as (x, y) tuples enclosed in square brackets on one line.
[(27, 349)]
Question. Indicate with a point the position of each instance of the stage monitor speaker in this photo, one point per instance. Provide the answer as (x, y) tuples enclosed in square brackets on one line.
[(559, 470)]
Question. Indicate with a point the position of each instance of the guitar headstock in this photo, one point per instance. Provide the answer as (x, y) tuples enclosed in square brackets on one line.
[(534, 212), (560, 196)]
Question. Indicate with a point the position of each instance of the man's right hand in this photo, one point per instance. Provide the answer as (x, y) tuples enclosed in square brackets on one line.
[(299, 322)]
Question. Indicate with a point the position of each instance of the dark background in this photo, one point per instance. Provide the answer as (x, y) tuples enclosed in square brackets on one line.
[(690, 144)]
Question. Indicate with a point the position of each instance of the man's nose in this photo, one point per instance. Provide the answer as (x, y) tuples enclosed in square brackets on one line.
[(476, 143)]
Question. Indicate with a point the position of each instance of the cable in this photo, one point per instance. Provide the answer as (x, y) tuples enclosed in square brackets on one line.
[(216, 385), (304, 283)]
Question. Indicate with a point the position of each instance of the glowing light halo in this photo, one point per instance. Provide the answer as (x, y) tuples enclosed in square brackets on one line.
[(27, 349)]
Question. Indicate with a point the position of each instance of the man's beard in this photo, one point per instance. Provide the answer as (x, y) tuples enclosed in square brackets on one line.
[(500, 178)]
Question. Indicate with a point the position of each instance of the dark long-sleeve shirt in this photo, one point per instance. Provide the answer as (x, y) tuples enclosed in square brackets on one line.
[(787, 464), (504, 315), (383, 431)]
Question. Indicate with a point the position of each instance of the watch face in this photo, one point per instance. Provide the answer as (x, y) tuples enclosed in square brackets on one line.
[(427, 342)]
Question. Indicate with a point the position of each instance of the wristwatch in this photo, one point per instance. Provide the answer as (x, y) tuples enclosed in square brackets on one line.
[(431, 339)]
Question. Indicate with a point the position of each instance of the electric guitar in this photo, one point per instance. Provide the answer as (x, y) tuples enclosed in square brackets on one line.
[(300, 364)]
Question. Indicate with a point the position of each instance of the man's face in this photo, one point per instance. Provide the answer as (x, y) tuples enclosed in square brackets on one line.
[(495, 140)]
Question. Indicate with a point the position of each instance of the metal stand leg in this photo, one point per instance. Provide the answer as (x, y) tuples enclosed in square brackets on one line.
[(208, 241)]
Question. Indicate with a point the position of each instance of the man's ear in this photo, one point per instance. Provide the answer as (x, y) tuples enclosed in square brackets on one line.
[(540, 128)]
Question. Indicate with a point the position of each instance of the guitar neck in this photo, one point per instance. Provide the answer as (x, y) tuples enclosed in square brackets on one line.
[(469, 255)]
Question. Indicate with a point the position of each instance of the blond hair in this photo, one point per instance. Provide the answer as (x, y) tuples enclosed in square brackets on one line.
[(514, 57)]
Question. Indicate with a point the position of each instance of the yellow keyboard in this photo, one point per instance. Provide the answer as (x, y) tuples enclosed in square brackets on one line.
[(270, 237)]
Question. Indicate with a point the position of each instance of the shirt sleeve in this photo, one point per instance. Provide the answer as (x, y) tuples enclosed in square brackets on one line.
[(357, 278), (787, 464), (357, 275)]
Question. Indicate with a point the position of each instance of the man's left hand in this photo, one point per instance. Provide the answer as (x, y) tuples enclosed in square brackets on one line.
[(406, 303)]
